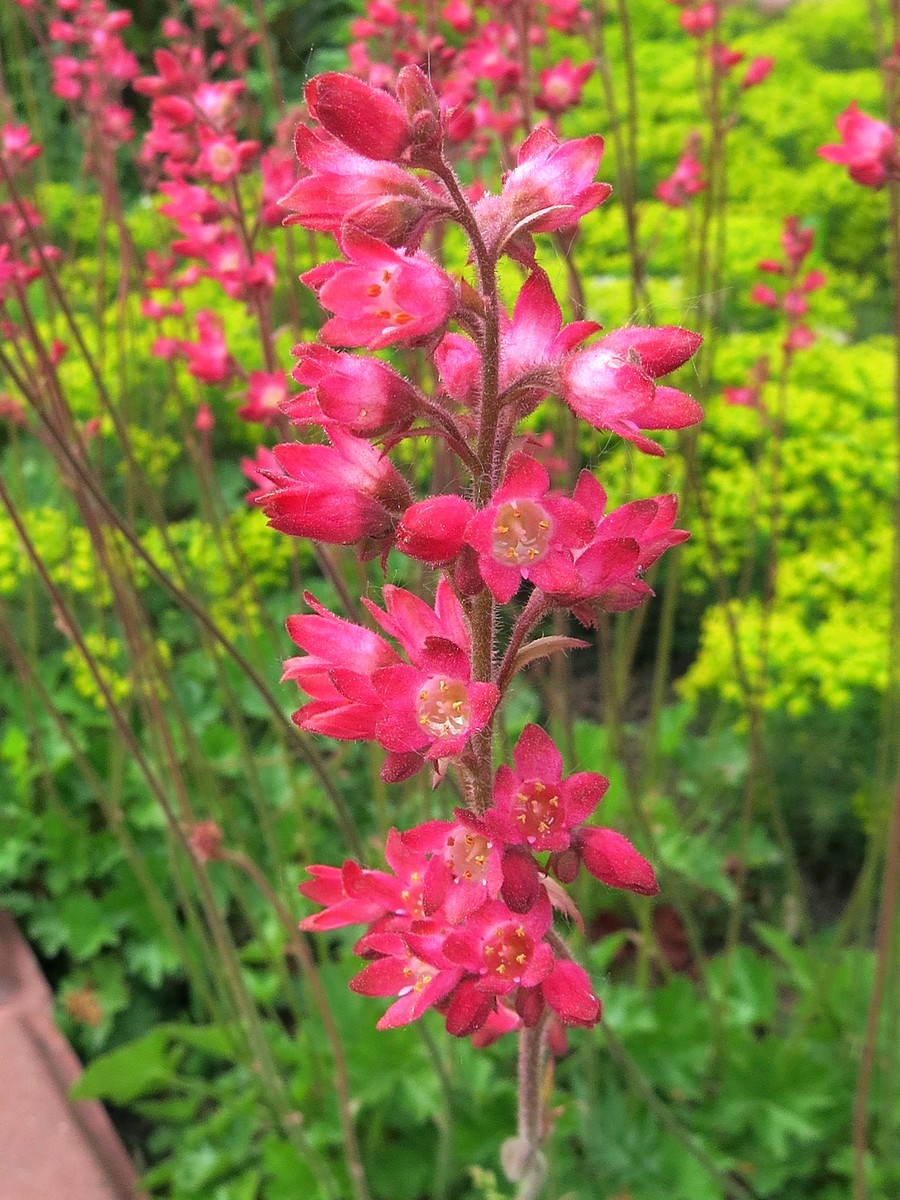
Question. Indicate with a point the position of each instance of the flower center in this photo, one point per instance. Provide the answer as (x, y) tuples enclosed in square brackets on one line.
[(466, 856), (521, 533), (383, 302), (419, 974), (443, 707), (508, 951), (537, 809)]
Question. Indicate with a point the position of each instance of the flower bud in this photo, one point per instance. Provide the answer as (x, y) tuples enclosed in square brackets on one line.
[(366, 119)]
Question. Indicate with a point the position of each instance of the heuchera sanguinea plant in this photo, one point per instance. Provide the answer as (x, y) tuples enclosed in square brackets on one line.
[(462, 920)]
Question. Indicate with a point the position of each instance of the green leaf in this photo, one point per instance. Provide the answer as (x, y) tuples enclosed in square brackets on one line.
[(140, 1068)]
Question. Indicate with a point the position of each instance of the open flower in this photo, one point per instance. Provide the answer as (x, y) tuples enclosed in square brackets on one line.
[(868, 148), (551, 187), (528, 532), (381, 295), (344, 493), (612, 384)]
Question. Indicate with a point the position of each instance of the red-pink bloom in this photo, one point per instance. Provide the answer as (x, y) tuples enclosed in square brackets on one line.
[(612, 384), (741, 397), (16, 146), (551, 187), (814, 280), (364, 118), (766, 296), (336, 671), (353, 895), (458, 15), (699, 20), (431, 709), (528, 532), (412, 967), (464, 869), (433, 531), (363, 395), (613, 860), (379, 197), (561, 86), (758, 70), (381, 295), (204, 421), (723, 59), (208, 359), (532, 343), (205, 842), (260, 470), (567, 991), (502, 949), (799, 338), (627, 541), (343, 494), (685, 181), (266, 392), (534, 805), (536, 339), (500, 1020), (796, 241), (868, 148), (795, 304), (342, 905)]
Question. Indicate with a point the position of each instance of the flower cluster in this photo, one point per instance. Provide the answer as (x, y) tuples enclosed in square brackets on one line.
[(481, 60), (462, 921), (91, 66), (195, 144), (794, 284)]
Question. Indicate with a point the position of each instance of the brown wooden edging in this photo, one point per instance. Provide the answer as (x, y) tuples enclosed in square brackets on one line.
[(51, 1147)]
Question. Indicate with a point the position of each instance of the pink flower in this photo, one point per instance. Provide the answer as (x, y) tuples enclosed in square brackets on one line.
[(868, 148), (612, 384), (551, 187), (343, 494), (626, 543), (266, 392), (364, 118), (259, 470), (758, 70), (433, 531), (613, 860), (379, 197), (336, 671), (724, 60), (363, 395), (504, 950), (380, 296), (766, 296), (796, 241), (685, 181), (699, 20), (412, 967), (527, 532), (561, 86), (464, 870), (534, 805), (208, 359), (799, 338), (353, 895), (431, 709), (206, 841)]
